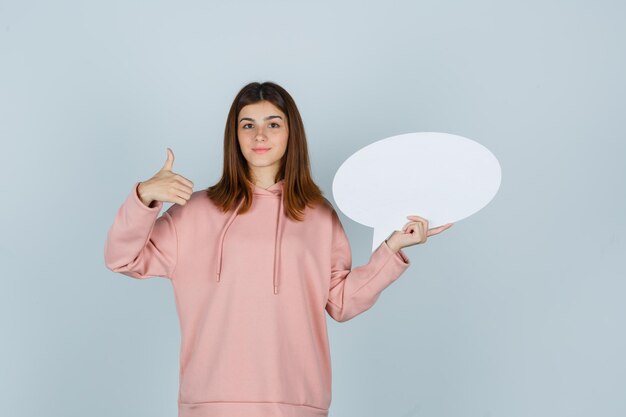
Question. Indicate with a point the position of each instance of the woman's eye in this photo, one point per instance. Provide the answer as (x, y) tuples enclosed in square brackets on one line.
[(276, 124)]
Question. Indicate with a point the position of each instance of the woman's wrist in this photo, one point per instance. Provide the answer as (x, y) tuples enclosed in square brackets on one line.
[(392, 245), (145, 200)]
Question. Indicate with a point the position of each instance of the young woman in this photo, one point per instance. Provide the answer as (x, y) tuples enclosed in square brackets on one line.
[(255, 261)]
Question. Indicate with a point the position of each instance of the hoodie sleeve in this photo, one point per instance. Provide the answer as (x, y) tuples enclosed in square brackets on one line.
[(355, 291), (139, 244)]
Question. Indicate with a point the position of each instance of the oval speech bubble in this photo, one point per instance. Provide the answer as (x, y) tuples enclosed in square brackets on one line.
[(439, 176)]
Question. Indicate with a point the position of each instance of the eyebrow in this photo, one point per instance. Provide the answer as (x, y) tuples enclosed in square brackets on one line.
[(252, 120)]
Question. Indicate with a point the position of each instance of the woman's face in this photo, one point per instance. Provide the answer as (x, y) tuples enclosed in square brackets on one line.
[(262, 126)]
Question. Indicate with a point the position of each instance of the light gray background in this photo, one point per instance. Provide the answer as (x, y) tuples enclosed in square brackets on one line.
[(516, 311)]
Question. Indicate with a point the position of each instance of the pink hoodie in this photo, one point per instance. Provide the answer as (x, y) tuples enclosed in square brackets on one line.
[(251, 293)]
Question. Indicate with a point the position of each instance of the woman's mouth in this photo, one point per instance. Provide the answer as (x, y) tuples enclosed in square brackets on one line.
[(261, 150)]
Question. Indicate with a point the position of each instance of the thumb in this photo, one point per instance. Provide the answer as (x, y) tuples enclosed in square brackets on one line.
[(170, 160)]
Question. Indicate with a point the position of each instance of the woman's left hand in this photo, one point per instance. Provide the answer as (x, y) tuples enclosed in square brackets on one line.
[(413, 233)]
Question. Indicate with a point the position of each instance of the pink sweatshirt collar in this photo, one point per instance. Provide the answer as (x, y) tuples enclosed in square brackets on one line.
[(276, 191)]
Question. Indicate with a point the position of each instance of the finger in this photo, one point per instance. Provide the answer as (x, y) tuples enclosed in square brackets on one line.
[(180, 201), (413, 227), (184, 180), (439, 229), (414, 217), (423, 229), (169, 162), (183, 191), (406, 226), (421, 220)]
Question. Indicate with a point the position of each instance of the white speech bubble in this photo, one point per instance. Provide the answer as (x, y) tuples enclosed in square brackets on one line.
[(439, 176)]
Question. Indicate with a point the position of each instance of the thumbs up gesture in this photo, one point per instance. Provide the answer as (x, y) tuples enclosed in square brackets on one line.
[(165, 185)]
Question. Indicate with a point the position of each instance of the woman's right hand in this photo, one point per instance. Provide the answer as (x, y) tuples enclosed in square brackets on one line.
[(166, 186)]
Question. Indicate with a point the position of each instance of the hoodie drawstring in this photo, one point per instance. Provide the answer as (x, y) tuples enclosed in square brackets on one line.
[(277, 244), (221, 244)]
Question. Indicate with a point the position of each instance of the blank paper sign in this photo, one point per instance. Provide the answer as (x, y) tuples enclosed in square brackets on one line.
[(439, 176)]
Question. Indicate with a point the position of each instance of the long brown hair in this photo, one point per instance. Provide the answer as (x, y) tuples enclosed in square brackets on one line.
[(299, 189)]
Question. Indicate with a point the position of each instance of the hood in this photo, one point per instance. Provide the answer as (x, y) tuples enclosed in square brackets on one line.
[(275, 190)]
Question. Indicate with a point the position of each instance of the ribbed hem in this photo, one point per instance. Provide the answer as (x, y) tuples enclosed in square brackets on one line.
[(248, 409)]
